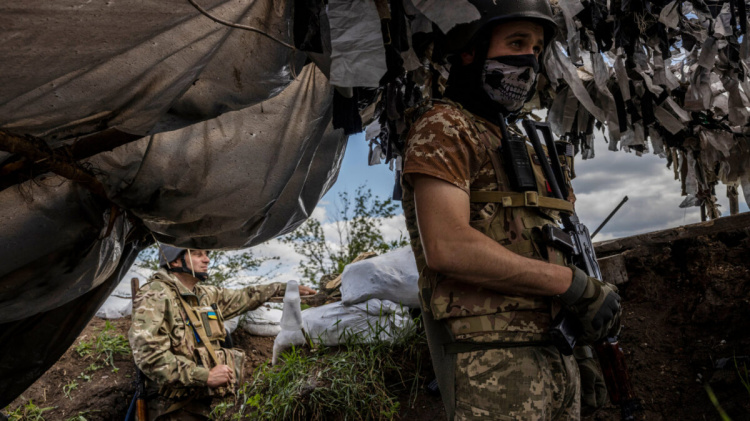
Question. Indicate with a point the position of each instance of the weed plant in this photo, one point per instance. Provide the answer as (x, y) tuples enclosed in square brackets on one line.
[(71, 386), (28, 412), (104, 346), (744, 375), (358, 380)]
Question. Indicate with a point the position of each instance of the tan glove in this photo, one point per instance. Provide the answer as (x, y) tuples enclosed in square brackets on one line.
[(595, 304)]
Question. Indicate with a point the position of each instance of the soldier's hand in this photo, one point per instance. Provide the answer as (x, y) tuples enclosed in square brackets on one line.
[(593, 387), (595, 304), (221, 375), (303, 290)]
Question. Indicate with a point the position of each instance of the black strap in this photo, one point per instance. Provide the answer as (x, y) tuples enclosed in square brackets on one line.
[(460, 347)]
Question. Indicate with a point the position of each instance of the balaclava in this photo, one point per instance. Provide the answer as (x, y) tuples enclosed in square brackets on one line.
[(510, 80)]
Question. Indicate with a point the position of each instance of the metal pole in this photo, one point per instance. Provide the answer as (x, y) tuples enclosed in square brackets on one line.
[(610, 216)]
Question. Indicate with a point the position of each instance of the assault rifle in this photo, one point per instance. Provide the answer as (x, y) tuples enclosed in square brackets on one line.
[(138, 404), (574, 239)]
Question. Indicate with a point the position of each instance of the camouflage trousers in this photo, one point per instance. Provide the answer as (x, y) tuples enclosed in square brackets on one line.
[(524, 383), (196, 410)]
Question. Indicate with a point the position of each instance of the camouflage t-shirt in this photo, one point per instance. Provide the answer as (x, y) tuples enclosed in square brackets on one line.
[(446, 143)]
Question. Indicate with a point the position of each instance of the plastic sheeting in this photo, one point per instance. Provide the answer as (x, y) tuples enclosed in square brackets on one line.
[(39, 341), (74, 67), (74, 256), (236, 180), (238, 151)]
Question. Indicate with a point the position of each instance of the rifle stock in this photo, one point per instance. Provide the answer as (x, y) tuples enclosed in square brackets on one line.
[(141, 407), (615, 371)]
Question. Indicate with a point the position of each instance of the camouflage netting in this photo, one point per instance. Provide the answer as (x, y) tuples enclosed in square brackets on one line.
[(122, 121), (664, 76)]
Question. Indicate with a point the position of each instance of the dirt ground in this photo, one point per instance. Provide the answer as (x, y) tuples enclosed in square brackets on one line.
[(687, 312)]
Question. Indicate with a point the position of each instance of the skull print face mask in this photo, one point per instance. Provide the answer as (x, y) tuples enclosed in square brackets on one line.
[(510, 80)]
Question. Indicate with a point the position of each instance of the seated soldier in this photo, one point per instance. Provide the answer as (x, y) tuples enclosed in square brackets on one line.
[(178, 324)]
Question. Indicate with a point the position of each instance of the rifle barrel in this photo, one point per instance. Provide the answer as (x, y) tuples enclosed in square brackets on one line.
[(610, 216)]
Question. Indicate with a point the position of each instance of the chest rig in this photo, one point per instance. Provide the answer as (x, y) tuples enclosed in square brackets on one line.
[(204, 330), (515, 222)]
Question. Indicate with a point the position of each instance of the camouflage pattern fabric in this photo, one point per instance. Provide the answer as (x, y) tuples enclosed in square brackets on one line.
[(451, 144), (526, 383), (195, 410), (165, 346)]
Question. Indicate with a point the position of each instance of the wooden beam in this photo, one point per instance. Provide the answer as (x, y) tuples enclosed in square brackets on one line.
[(619, 245), (34, 157)]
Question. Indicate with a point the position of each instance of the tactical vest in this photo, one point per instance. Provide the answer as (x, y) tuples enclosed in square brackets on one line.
[(205, 330), (515, 224)]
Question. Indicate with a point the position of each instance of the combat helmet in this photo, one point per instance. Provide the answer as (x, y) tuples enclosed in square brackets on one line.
[(496, 11), (168, 254)]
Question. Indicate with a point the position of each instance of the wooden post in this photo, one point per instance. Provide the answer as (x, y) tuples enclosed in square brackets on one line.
[(734, 201), (141, 407)]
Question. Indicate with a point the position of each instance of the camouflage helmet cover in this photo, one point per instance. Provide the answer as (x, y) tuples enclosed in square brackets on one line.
[(496, 11)]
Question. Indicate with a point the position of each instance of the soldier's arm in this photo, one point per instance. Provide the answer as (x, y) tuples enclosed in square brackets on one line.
[(151, 345), (454, 248), (237, 301)]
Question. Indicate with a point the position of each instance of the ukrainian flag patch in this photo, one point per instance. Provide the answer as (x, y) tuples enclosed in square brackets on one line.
[(212, 315)]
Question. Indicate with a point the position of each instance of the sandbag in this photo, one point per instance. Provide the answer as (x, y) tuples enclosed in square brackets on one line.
[(115, 307), (291, 322), (336, 323), (391, 276), (263, 321)]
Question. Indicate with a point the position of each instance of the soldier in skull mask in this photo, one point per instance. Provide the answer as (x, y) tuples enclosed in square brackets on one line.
[(489, 287)]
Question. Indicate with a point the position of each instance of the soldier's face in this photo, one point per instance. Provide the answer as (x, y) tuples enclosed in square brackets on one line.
[(198, 258), (516, 38), (512, 38)]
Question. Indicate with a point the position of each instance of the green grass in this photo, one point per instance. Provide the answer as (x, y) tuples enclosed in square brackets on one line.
[(744, 375), (28, 412), (351, 382), (71, 386), (104, 346)]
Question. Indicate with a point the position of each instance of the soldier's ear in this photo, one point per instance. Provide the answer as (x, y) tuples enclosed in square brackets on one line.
[(175, 263)]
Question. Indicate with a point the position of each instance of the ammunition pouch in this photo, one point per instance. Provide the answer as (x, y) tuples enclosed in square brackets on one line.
[(233, 358), (211, 322)]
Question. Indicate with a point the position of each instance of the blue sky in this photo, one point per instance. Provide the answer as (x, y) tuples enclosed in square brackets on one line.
[(355, 171)]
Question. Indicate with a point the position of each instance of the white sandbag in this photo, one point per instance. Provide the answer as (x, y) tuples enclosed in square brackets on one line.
[(391, 276), (231, 324), (115, 307), (336, 323), (291, 322), (263, 321)]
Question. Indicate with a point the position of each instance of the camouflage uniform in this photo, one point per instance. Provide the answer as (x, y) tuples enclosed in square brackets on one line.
[(170, 353), (505, 366)]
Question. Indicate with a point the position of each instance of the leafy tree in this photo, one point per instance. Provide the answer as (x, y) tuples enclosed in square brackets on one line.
[(357, 223), (224, 264)]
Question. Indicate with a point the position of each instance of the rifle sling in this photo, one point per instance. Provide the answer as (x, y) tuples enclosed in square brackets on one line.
[(198, 327), (525, 199)]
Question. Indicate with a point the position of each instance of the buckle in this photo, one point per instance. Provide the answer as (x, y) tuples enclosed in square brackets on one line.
[(507, 201), (531, 198)]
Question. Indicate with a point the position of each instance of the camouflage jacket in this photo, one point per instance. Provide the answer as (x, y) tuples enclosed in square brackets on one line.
[(163, 344), (449, 143)]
